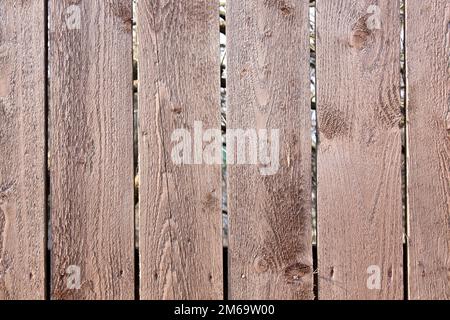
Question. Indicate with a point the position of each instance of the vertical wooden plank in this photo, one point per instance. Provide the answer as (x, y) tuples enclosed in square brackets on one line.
[(428, 87), (270, 215), (22, 150), (91, 128), (359, 158), (180, 212)]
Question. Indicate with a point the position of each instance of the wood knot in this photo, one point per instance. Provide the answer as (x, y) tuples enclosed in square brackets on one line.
[(243, 73), (286, 9), (209, 201), (360, 34), (293, 274), (177, 110), (128, 24), (333, 124), (124, 13), (261, 265), (331, 272), (390, 273)]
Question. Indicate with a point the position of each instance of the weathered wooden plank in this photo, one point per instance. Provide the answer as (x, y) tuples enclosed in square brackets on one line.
[(428, 88), (91, 149), (22, 150), (270, 212), (359, 157), (180, 213)]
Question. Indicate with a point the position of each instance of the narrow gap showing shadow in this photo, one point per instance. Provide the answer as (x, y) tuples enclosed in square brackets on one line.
[(136, 154), (225, 273), (136, 275), (223, 112), (316, 273), (404, 145), (47, 227), (314, 138)]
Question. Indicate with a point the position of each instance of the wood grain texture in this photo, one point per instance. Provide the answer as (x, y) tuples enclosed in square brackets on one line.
[(22, 150), (428, 87), (91, 149), (359, 157), (270, 215), (180, 212)]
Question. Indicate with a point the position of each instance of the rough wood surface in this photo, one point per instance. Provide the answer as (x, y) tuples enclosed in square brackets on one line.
[(359, 157), (428, 87), (91, 149), (22, 149), (270, 215), (180, 213)]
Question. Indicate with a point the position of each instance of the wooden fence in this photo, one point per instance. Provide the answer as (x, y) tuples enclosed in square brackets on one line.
[(67, 199)]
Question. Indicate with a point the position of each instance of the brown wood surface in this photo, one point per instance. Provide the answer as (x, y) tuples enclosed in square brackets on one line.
[(428, 87), (359, 157), (91, 150), (270, 215), (22, 149), (180, 237)]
